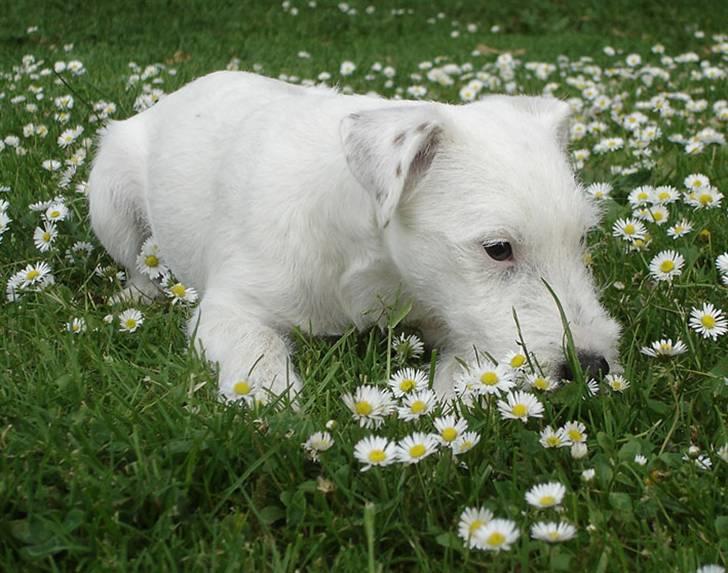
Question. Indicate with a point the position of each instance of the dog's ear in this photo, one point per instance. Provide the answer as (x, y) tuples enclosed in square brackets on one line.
[(550, 111), (390, 150)]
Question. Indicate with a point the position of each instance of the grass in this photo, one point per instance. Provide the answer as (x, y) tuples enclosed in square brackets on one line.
[(115, 454)]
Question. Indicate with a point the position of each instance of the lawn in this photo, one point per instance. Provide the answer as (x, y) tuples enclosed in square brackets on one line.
[(115, 453)]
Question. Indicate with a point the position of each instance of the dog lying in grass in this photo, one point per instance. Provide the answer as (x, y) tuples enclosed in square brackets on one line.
[(287, 206)]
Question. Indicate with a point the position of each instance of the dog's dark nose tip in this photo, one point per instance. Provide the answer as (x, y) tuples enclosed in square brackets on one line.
[(591, 364)]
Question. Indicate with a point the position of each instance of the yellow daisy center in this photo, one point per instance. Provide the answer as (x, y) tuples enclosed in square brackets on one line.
[(179, 290), (55, 213), (665, 346), (75, 327), (547, 500), (667, 266), (696, 184), (553, 440), (663, 196), (599, 195), (417, 451), (541, 383), (519, 410), (32, 275), (406, 385), (575, 435), (363, 408), (657, 215), (466, 445), (679, 228), (377, 456), (707, 321), (518, 360), (46, 237), (489, 378), (449, 434), (477, 523), (418, 406), (617, 385), (151, 261), (130, 323), (553, 535), (496, 539), (705, 199), (643, 196), (629, 229), (242, 388)]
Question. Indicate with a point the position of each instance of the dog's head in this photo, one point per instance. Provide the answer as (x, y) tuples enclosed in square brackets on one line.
[(479, 208)]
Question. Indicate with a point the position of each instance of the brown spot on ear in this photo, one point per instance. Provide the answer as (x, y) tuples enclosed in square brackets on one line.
[(399, 138), (398, 172), (423, 126)]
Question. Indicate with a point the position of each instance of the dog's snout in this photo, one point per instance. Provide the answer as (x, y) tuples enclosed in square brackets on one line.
[(591, 364)]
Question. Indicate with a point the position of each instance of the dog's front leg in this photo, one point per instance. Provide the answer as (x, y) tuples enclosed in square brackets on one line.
[(253, 358)]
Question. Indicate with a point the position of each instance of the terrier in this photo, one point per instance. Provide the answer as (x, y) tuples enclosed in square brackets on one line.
[(289, 206)]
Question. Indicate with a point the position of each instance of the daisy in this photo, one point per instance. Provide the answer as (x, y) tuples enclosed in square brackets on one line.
[(471, 520), (245, 390), (407, 381), (629, 229), (552, 532), (408, 346), (465, 442), (574, 432), (491, 379), (546, 495), (516, 360), (36, 274), (181, 293), (369, 405), (56, 212), (664, 195), (551, 438), (641, 460), (520, 406), (579, 450), (496, 535), (374, 451), (416, 447), (721, 263), (617, 382), (149, 261), (655, 214), (708, 321), (599, 190), (588, 474), (43, 237), (318, 442), (707, 198), (710, 568), (696, 181), (666, 265), (640, 196), (680, 229), (449, 429), (130, 320), (542, 383), (416, 405), (665, 347), (76, 326), (592, 387)]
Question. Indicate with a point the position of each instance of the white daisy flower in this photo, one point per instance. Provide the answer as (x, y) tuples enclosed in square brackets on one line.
[(491, 379), (641, 460), (465, 442), (416, 447), (546, 495), (471, 520), (553, 532), (35, 275), (701, 461), (449, 429), (375, 451), (696, 182), (629, 229), (640, 196), (407, 381), (369, 405), (599, 190), (316, 443), (181, 293), (578, 450), (245, 390), (551, 438), (76, 326), (707, 198), (723, 452), (617, 382), (708, 321), (516, 360), (588, 474), (664, 195), (666, 265), (520, 406), (149, 261), (664, 347), (655, 214), (680, 229), (710, 568), (56, 212), (130, 320), (542, 383), (408, 347), (43, 237), (721, 263), (575, 432), (496, 535), (417, 404)]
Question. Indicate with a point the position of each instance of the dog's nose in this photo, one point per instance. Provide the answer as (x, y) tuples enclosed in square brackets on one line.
[(591, 364)]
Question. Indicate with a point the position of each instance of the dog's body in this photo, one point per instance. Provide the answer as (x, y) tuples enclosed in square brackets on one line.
[(287, 206)]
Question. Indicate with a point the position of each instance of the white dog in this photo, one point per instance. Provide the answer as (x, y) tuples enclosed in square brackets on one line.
[(288, 206)]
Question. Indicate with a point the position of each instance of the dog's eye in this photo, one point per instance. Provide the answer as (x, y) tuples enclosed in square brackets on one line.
[(500, 251)]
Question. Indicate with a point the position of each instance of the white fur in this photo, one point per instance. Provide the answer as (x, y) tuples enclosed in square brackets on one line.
[(287, 206)]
